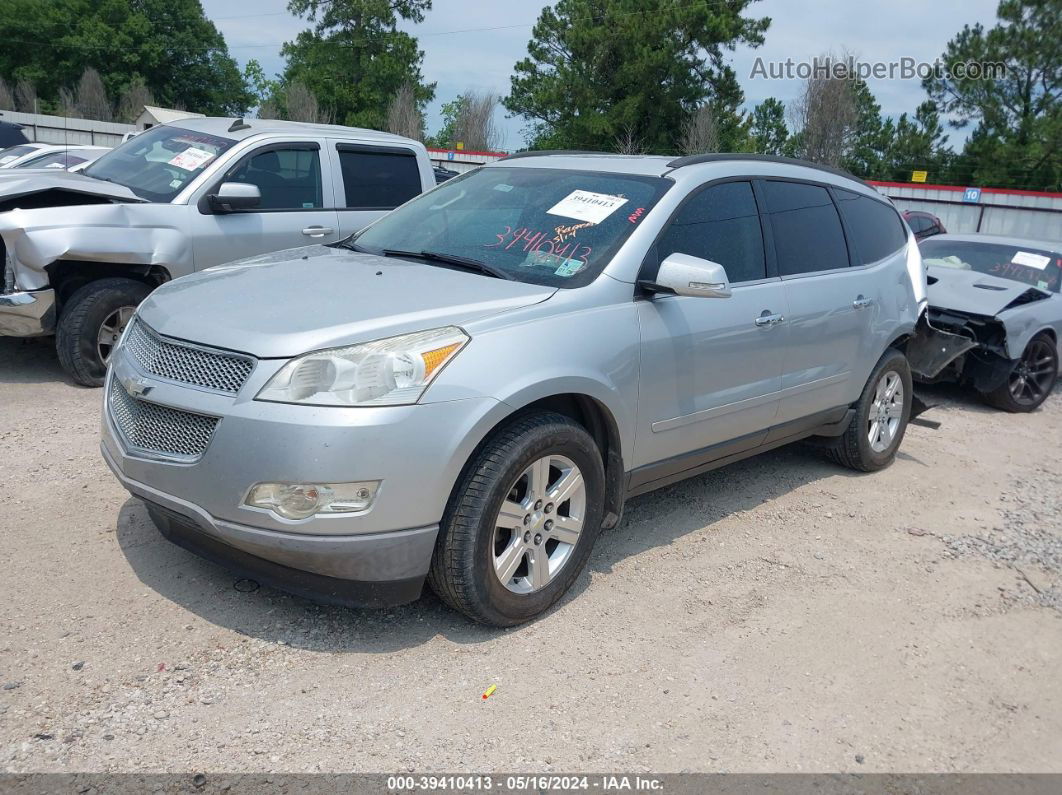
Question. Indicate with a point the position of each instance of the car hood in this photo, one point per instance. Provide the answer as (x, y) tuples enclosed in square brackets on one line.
[(305, 299), (972, 292), (16, 183)]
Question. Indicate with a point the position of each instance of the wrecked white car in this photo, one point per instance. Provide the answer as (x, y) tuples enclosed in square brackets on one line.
[(82, 250), (994, 319)]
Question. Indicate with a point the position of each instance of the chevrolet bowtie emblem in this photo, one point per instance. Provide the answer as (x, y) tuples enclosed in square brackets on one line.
[(137, 387)]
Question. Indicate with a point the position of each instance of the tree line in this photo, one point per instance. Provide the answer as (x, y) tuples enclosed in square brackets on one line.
[(630, 76)]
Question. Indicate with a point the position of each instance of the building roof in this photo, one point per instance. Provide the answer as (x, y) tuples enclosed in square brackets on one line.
[(164, 115)]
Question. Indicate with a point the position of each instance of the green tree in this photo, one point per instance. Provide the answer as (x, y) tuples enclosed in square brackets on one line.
[(768, 133), (355, 59), (168, 45), (601, 70), (1017, 139), (919, 144), (451, 112)]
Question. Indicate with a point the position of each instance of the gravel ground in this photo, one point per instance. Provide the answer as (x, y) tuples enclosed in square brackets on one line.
[(778, 615)]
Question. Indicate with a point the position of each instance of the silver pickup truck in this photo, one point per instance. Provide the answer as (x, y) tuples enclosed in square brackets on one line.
[(81, 251)]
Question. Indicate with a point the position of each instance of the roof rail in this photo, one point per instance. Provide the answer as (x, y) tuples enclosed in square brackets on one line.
[(546, 152), (692, 160)]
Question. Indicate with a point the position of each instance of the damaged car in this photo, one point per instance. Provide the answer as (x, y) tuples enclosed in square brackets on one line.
[(994, 319), (81, 250)]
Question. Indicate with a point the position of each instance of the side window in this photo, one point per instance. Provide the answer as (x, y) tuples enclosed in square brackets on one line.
[(289, 179), (807, 231), (918, 223), (876, 227), (720, 224), (379, 179)]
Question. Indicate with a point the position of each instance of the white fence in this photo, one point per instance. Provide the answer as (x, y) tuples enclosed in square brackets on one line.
[(42, 128), (994, 211)]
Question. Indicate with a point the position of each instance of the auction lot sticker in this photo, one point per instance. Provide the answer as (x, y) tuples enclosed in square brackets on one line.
[(586, 205), (190, 159)]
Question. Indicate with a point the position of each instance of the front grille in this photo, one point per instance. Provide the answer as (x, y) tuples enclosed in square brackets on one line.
[(159, 430), (186, 364)]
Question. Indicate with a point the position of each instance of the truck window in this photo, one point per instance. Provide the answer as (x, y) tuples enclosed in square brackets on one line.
[(378, 179), (289, 179)]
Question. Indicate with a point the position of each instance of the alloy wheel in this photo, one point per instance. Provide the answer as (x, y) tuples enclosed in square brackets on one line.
[(111, 331), (886, 412), (1034, 374), (539, 524)]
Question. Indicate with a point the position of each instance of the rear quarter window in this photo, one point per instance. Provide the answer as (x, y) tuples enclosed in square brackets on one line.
[(378, 179), (875, 226)]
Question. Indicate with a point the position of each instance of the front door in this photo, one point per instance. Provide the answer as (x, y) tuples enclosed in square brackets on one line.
[(711, 367), (297, 208)]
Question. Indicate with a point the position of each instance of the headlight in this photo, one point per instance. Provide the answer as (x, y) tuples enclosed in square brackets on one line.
[(302, 500), (389, 372)]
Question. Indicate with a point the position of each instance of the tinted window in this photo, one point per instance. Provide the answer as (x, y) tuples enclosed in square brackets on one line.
[(14, 152), (720, 224), (875, 226), (378, 179), (289, 179), (806, 228)]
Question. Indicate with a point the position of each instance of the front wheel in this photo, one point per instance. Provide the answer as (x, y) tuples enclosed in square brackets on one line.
[(522, 521), (92, 323), (1030, 380), (881, 414)]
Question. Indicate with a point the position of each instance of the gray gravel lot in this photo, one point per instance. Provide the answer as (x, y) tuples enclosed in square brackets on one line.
[(778, 615)]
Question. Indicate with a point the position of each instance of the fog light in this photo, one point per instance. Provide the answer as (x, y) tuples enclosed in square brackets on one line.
[(302, 500)]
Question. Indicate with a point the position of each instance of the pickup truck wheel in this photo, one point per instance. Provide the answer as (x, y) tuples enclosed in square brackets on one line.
[(881, 414), (522, 521), (92, 322), (1030, 380)]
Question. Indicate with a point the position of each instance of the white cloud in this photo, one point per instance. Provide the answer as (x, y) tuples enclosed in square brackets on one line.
[(474, 43)]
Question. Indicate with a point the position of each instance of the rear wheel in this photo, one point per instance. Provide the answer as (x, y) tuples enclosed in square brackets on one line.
[(91, 324), (1030, 380), (522, 522), (872, 439)]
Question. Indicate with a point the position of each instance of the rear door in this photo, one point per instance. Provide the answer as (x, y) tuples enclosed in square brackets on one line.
[(297, 207), (372, 179), (711, 367)]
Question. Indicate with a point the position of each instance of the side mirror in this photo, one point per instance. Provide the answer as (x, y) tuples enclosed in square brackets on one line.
[(681, 274), (234, 196)]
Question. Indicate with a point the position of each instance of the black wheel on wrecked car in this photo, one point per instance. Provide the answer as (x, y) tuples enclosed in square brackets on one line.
[(1030, 380), (881, 414), (522, 521), (91, 323)]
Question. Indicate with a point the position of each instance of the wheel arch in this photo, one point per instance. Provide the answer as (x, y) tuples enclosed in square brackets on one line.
[(67, 276)]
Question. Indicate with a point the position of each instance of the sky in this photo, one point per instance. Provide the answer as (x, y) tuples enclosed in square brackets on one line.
[(473, 44)]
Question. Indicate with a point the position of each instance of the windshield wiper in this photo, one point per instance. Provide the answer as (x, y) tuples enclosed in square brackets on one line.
[(450, 259)]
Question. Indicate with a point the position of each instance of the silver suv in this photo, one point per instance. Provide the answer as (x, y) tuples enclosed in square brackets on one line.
[(467, 390)]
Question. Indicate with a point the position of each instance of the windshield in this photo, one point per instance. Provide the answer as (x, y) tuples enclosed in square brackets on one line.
[(15, 152), (53, 160), (1032, 266), (551, 226), (158, 163)]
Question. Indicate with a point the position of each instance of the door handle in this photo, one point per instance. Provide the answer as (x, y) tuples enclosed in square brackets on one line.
[(318, 231), (767, 319), (862, 303)]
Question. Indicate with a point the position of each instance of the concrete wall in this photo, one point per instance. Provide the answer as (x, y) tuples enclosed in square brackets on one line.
[(41, 128), (995, 211)]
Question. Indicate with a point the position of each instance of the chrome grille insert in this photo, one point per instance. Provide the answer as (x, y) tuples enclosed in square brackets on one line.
[(159, 430), (220, 371)]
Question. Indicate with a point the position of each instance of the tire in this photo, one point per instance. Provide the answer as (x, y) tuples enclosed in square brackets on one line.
[(475, 540), (81, 324), (855, 449), (1030, 380)]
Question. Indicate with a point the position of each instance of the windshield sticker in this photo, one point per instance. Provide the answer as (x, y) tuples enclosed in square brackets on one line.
[(190, 159), (584, 205), (569, 268), (7, 159), (176, 183), (503, 187), (1042, 284), (1031, 260), (636, 215)]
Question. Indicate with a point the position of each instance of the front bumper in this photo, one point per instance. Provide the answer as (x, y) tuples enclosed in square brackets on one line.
[(27, 314), (376, 557)]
